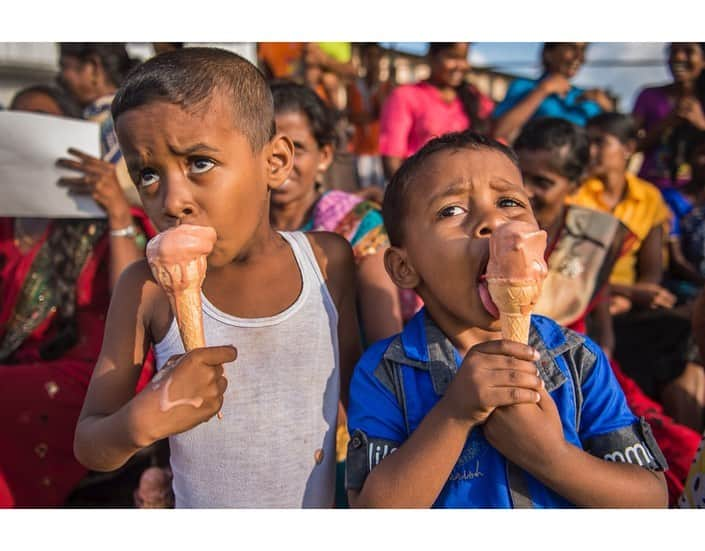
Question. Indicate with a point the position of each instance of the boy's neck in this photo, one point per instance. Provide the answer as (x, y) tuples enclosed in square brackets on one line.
[(462, 335), (294, 214)]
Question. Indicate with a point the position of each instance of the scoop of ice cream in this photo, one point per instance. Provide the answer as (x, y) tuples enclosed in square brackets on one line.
[(516, 253), (177, 256)]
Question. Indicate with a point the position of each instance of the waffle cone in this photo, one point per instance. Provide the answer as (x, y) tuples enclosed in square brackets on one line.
[(187, 309), (515, 301)]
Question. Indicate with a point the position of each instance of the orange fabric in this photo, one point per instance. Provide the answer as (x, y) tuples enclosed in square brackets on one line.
[(283, 58), (365, 141)]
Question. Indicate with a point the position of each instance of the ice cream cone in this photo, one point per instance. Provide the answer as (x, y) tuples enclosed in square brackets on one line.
[(187, 309), (515, 301)]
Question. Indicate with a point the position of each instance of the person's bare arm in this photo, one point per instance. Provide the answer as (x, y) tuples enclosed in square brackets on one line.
[(100, 181), (531, 436), (493, 374), (114, 423), (507, 126), (680, 265), (647, 291), (380, 307), (650, 257)]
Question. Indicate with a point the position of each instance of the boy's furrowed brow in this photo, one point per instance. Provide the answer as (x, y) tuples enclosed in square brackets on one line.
[(190, 150), (457, 187), (501, 184)]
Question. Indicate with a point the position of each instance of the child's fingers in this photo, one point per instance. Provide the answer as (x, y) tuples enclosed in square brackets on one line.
[(215, 355), (503, 347), (516, 378), (509, 396)]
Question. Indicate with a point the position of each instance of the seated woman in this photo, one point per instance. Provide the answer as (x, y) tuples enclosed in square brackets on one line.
[(551, 95), (55, 282), (669, 115), (652, 338), (583, 245)]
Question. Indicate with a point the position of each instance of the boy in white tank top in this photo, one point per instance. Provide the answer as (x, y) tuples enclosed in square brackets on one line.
[(196, 128)]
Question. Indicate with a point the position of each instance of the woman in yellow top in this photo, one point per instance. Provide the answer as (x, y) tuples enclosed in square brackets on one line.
[(652, 338)]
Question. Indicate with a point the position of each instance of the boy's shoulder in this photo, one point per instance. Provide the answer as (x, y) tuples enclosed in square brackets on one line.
[(137, 285), (331, 250), (336, 261)]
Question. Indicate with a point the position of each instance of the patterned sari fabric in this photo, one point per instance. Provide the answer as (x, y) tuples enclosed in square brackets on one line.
[(52, 319), (360, 222)]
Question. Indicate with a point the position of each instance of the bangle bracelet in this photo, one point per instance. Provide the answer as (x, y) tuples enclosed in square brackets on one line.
[(128, 231)]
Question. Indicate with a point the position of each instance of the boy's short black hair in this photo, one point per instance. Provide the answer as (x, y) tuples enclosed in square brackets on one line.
[(568, 143), (189, 78), (396, 195), (293, 97), (621, 126)]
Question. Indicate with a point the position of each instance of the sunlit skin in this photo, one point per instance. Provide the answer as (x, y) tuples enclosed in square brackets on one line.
[(457, 200), (186, 173)]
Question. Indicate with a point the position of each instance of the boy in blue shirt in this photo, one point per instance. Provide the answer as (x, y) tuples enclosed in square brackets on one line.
[(448, 415)]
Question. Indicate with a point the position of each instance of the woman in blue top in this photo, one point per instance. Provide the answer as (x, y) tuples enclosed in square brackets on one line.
[(552, 95)]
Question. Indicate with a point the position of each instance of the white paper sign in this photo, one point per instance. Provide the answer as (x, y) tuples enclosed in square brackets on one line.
[(30, 144)]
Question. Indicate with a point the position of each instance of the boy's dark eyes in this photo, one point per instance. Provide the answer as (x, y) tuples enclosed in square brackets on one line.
[(510, 202), (147, 177), (451, 210), (200, 165)]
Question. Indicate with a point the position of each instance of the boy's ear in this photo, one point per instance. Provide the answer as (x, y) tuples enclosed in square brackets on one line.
[(400, 269), (280, 160)]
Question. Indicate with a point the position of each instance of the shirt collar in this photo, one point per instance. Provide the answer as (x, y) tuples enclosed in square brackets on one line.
[(423, 345), (634, 191)]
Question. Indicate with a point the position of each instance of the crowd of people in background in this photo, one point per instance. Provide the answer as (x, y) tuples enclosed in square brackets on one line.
[(620, 195)]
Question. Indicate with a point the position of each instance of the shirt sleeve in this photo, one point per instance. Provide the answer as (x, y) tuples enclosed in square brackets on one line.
[(518, 89), (396, 120), (375, 419), (608, 429)]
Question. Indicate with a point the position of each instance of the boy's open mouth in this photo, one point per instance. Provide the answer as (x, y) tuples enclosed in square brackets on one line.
[(484, 293)]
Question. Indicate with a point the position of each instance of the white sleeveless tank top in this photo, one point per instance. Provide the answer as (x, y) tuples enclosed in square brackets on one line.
[(275, 446)]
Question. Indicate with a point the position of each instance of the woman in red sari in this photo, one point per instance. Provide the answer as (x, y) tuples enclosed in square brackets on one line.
[(55, 283)]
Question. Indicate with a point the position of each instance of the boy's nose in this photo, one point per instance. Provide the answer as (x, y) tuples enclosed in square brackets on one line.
[(488, 224), (178, 199)]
